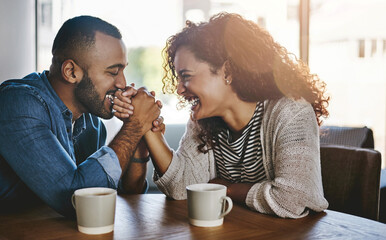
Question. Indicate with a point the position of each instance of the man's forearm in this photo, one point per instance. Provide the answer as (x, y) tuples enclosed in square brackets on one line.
[(133, 179), (126, 141)]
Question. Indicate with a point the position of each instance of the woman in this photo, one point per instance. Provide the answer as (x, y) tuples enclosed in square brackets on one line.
[(255, 111)]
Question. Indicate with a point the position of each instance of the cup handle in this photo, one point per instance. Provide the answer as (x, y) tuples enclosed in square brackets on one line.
[(73, 200), (230, 205)]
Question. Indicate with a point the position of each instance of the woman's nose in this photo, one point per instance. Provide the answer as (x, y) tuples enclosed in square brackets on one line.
[(180, 88)]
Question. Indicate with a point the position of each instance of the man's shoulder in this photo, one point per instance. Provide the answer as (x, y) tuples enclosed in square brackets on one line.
[(23, 96), (30, 83)]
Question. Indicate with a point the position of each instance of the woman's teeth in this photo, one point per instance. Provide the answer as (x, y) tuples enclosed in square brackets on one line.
[(194, 101)]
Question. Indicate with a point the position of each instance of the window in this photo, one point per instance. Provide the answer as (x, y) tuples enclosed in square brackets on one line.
[(384, 47), (346, 52), (46, 14), (347, 46), (373, 47), (361, 48), (146, 24)]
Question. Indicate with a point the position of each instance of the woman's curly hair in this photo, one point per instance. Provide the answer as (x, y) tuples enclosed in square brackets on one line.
[(261, 69)]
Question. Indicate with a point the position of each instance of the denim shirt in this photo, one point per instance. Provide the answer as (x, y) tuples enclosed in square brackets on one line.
[(39, 151)]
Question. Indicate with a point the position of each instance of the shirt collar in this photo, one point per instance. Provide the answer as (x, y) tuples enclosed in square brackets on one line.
[(79, 126), (63, 108), (80, 123)]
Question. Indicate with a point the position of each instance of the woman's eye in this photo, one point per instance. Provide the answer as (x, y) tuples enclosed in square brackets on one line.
[(185, 77)]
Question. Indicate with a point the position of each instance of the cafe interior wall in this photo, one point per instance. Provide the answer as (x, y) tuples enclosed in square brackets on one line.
[(17, 33)]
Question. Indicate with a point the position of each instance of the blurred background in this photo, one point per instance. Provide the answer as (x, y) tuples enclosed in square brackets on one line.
[(343, 41)]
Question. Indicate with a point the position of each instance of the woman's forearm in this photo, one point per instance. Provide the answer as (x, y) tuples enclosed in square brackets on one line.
[(160, 152)]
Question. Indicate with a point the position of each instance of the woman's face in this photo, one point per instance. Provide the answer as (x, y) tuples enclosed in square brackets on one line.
[(206, 91)]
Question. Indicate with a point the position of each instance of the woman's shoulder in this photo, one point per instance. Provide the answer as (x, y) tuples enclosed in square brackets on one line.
[(286, 109), (191, 126), (191, 131), (287, 105)]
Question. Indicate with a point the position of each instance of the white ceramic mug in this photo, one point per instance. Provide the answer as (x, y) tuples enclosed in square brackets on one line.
[(95, 209), (207, 204)]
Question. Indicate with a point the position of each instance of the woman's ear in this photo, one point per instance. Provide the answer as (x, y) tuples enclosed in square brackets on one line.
[(71, 72), (225, 69)]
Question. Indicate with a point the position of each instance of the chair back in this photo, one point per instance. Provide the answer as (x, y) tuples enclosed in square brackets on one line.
[(351, 179), (347, 136)]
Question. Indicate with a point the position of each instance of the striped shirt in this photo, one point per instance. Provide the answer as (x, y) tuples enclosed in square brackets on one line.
[(241, 160)]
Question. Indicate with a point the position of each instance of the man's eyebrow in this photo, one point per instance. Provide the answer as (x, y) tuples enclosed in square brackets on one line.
[(118, 65)]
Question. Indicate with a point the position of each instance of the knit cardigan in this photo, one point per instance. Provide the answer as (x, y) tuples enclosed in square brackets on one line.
[(291, 158)]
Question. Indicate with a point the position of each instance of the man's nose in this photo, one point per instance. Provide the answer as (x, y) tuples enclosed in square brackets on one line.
[(120, 81)]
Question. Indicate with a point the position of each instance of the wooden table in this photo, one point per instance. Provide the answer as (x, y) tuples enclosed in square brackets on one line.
[(153, 216)]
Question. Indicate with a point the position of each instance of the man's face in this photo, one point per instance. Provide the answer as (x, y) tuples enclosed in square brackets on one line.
[(87, 94), (104, 75)]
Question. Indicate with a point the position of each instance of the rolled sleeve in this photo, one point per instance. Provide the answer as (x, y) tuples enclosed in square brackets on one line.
[(108, 159)]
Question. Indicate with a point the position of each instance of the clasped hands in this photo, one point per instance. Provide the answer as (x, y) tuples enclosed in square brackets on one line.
[(131, 104)]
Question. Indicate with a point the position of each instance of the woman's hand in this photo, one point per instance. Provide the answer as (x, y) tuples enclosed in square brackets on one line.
[(220, 181), (158, 124), (237, 191)]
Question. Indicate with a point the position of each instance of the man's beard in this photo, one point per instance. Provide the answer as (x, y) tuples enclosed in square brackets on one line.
[(87, 95)]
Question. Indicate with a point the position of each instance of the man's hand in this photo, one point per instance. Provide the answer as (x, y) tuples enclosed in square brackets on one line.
[(147, 110), (123, 107)]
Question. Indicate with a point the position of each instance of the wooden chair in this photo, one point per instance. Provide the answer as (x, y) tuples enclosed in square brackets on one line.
[(351, 178)]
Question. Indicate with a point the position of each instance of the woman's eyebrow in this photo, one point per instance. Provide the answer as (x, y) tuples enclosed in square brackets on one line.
[(183, 71)]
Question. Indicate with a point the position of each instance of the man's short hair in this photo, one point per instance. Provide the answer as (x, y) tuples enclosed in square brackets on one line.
[(77, 35)]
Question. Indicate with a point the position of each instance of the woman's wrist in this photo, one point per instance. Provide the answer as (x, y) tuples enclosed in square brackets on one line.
[(149, 135)]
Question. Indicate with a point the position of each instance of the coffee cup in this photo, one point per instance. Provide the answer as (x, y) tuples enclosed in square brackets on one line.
[(207, 204), (95, 209)]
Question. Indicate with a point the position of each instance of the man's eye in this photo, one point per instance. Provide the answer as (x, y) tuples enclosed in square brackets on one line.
[(113, 73)]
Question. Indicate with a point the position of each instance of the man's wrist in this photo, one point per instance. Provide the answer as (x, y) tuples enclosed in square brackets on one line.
[(140, 160)]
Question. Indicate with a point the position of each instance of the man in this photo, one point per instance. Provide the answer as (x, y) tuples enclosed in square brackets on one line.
[(51, 140)]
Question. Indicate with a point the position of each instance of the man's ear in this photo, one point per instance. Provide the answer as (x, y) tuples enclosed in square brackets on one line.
[(71, 72)]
